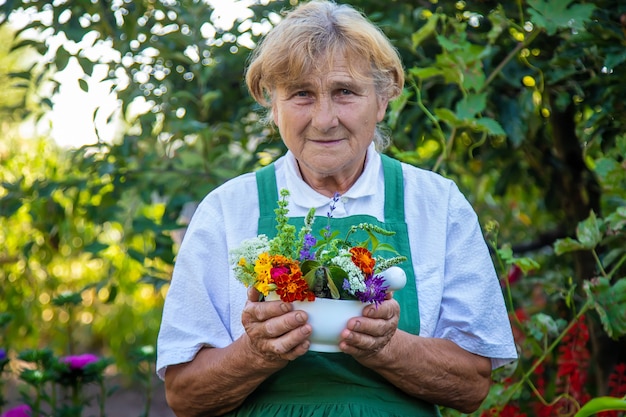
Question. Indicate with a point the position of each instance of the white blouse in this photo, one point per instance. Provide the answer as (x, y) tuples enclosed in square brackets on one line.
[(459, 295)]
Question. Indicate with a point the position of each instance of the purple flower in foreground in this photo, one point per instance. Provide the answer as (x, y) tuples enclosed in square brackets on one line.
[(309, 242), (332, 207), (19, 411), (375, 290), (80, 361), (3, 354)]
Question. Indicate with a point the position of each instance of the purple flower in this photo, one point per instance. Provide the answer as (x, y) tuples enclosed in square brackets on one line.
[(330, 213), (19, 411), (3, 354), (309, 242), (80, 361), (375, 290)]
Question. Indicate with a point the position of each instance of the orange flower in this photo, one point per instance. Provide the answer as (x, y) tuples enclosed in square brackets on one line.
[(290, 285), (362, 258)]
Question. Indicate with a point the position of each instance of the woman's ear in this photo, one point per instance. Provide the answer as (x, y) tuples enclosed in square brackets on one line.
[(383, 102)]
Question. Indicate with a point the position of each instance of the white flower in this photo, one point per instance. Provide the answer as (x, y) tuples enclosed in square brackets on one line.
[(244, 257), (356, 278)]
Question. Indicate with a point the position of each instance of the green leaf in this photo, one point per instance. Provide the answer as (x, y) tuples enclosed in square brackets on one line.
[(471, 105), (596, 405), (113, 291), (566, 245), (617, 219), (426, 72), (613, 60), (62, 59), (588, 234), (588, 231), (83, 85), (395, 108), (553, 15), (385, 247), (491, 126), (450, 45), (22, 44), (448, 116), (610, 304), (335, 277)]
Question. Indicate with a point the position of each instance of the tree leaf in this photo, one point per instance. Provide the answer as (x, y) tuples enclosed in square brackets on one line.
[(470, 105), (447, 116), (566, 245), (558, 14), (588, 231), (491, 126), (83, 85), (610, 303), (426, 72)]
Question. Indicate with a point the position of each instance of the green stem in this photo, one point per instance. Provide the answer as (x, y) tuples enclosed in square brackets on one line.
[(148, 393), (599, 263), (521, 45), (447, 151), (70, 331), (616, 267), (526, 377), (53, 396), (102, 396), (431, 117)]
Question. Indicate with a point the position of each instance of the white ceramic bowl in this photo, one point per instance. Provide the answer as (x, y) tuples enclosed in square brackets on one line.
[(328, 318)]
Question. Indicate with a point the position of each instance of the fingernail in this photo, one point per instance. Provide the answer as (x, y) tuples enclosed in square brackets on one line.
[(300, 318), (284, 307)]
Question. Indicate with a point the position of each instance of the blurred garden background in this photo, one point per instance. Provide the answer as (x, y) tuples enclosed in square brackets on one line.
[(118, 116)]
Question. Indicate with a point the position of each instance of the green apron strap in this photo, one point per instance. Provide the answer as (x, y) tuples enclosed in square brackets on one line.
[(267, 190), (394, 190)]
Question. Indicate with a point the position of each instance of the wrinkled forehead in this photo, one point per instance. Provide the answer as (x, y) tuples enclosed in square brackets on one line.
[(304, 67)]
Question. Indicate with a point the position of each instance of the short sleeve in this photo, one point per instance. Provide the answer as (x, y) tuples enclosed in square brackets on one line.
[(473, 313)]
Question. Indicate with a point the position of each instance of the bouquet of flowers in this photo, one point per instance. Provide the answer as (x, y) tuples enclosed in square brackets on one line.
[(300, 267)]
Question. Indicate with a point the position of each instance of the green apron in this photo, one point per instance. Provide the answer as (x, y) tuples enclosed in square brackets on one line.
[(334, 384)]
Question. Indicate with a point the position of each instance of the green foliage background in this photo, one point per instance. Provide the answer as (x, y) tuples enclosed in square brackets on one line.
[(522, 103)]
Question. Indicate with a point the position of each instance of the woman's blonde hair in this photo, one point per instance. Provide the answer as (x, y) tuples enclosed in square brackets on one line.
[(310, 37)]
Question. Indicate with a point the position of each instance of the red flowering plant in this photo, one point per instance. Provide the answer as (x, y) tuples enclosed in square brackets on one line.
[(299, 267)]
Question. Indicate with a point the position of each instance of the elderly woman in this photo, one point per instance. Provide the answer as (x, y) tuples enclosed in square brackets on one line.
[(327, 75)]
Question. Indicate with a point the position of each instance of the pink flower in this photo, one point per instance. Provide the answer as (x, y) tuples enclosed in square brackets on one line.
[(80, 361), (19, 411)]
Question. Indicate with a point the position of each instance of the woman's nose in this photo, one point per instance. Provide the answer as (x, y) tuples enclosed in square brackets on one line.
[(324, 115)]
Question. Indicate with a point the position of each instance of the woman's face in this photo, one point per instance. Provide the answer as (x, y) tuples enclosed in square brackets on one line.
[(328, 121)]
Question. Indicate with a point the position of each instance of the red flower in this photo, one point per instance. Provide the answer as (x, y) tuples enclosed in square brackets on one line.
[(509, 410), (290, 285), (573, 362), (514, 274)]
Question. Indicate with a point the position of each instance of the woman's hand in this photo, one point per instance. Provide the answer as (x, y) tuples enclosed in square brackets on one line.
[(365, 336), (275, 331)]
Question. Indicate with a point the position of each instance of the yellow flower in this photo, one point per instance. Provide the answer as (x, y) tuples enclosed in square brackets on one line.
[(264, 288), (262, 268)]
